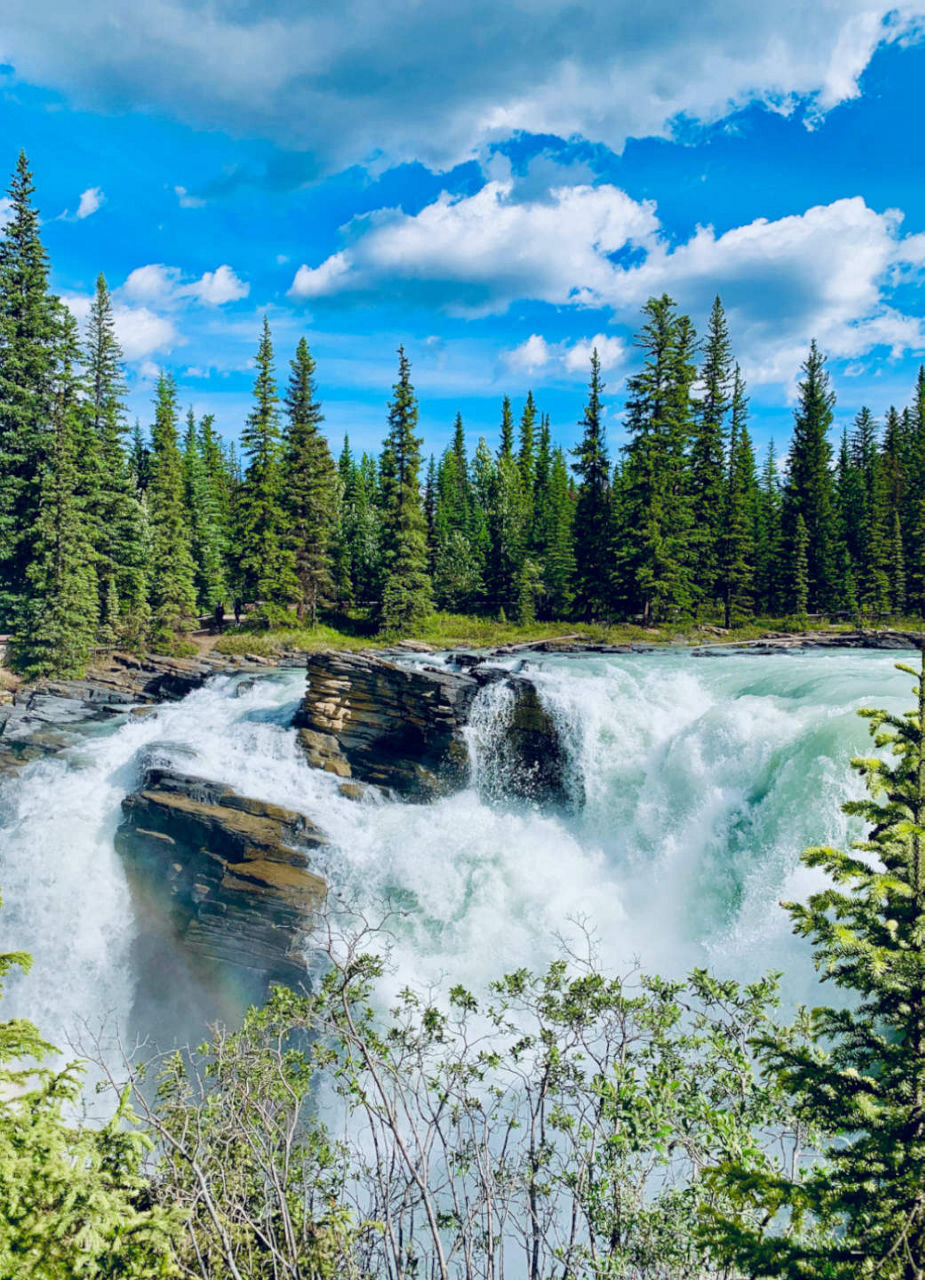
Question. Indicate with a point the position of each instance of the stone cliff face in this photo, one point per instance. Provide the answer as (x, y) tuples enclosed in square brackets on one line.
[(223, 878), (403, 727)]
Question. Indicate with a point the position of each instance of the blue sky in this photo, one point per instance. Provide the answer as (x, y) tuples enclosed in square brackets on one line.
[(496, 187)]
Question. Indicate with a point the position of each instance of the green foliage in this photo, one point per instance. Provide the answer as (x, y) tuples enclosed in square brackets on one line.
[(172, 572), (265, 560), (60, 613), (73, 1200), (710, 476), (311, 493), (808, 493), (121, 566), (30, 332), (593, 513), (406, 586), (655, 567), (204, 515)]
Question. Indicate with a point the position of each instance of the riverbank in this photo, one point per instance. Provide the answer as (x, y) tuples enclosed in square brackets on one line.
[(456, 631)]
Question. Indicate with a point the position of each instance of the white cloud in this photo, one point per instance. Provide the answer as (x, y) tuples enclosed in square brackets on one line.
[(6, 209), (188, 201), (163, 286), (826, 273), (217, 287), (448, 78), (536, 355), (493, 249), (90, 201), (141, 332), (317, 282)]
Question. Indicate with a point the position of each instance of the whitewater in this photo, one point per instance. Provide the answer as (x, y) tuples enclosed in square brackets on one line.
[(703, 780)]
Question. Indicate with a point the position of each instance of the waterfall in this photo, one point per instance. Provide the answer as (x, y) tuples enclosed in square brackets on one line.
[(703, 779)]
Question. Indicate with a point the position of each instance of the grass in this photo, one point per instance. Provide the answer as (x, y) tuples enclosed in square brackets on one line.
[(458, 631)]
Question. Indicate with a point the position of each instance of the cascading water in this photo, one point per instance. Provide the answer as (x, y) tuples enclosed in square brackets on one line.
[(703, 778)]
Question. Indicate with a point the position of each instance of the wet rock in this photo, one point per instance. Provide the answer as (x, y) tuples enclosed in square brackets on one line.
[(402, 728), (395, 726), (223, 877)]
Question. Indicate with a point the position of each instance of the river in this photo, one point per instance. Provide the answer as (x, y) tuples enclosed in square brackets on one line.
[(703, 777)]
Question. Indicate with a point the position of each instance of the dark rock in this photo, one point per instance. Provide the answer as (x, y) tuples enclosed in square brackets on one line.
[(401, 727), (224, 878)]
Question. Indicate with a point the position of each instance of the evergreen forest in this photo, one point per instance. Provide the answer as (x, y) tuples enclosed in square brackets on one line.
[(113, 534)]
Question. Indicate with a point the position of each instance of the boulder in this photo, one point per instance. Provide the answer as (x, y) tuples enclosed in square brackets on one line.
[(224, 879)]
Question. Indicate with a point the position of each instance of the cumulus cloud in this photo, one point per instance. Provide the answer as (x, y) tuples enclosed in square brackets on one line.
[(90, 201), (537, 356), (163, 286), (487, 250), (141, 331), (448, 78), (828, 272)]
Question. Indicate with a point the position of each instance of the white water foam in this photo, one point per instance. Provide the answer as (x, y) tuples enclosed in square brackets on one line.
[(704, 779)]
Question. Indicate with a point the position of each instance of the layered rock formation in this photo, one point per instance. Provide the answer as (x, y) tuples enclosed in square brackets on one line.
[(402, 727), (221, 881)]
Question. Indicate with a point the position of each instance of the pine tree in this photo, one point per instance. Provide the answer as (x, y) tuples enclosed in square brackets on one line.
[(458, 566), (593, 526), (29, 336), (768, 537), (858, 1071), (507, 535), (865, 511), (808, 491), (506, 447), (656, 552), (172, 572), (265, 562), (709, 483), (310, 488), (735, 539), (206, 535), (61, 610), (406, 588), (526, 456), (114, 499)]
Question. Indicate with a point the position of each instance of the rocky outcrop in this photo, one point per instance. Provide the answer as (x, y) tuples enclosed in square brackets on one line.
[(224, 876), (402, 726), (48, 716), (394, 726)]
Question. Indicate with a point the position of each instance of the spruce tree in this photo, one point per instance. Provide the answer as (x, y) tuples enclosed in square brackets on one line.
[(311, 488), (506, 446), (526, 456), (857, 1071), (800, 563), (507, 534), (768, 586), (735, 540), (206, 534), (808, 491), (172, 572), (119, 523), (29, 336), (867, 517), (265, 561), (709, 482), (897, 567), (593, 524), (557, 544), (406, 587), (60, 613), (656, 551)]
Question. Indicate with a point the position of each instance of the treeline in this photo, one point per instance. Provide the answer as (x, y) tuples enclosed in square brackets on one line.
[(564, 1123), (112, 537)]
